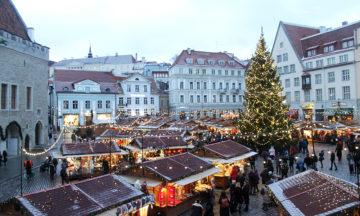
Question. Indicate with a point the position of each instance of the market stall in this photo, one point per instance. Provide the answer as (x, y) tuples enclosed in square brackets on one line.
[(315, 193), (179, 181), (119, 135), (86, 159), (104, 195), (225, 155), (222, 126)]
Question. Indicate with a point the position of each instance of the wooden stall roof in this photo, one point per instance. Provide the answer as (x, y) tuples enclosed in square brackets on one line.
[(155, 122), (88, 148), (227, 149), (121, 133), (315, 193), (179, 166), (160, 142), (82, 198)]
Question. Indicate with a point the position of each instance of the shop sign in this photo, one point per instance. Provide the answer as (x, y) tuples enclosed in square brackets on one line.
[(171, 198), (341, 104), (162, 196), (307, 106)]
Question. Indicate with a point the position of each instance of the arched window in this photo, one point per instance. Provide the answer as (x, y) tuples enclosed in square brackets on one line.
[(66, 89)]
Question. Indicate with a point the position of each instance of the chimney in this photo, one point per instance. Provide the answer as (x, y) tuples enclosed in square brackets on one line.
[(189, 51), (344, 23), (135, 56), (322, 29), (30, 32)]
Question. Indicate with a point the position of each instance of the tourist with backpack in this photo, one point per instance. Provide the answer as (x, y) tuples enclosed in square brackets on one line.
[(224, 204)]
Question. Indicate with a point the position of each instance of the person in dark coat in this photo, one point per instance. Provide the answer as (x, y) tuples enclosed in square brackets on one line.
[(28, 166), (307, 161), (332, 159), (52, 170), (209, 209), (224, 204), (105, 166), (245, 193), (252, 182), (196, 209), (252, 162), (64, 176), (291, 162), (321, 158), (55, 162), (1, 159), (5, 157), (339, 148), (239, 195), (284, 170)]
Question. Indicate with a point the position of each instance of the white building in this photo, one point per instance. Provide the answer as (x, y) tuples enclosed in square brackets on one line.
[(23, 83), (205, 84), (317, 70), (86, 97)]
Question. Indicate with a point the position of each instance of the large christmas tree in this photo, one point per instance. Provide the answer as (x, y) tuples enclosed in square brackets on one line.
[(264, 122)]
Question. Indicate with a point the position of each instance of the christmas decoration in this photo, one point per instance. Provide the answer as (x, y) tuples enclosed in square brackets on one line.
[(265, 110)]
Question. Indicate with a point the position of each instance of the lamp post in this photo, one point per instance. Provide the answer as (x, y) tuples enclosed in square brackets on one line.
[(337, 109), (110, 144), (21, 169)]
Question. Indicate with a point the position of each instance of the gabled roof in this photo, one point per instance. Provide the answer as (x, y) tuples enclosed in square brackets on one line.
[(120, 59), (11, 21), (296, 32), (227, 149), (160, 142), (216, 56), (88, 148)]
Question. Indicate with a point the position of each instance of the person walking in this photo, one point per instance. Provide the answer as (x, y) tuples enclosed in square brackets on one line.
[(252, 182), (245, 192), (55, 162), (52, 170), (197, 208), (64, 176), (234, 173), (209, 208), (252, 162), (332, 159), (284, 170), (5, 157), (350, 163), (224, 204), (321, 158), (257, 180), (28, 166), (305, 144), (277, 163), (339, 148)]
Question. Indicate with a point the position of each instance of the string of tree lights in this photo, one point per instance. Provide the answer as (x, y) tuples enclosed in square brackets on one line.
[(46, 150)]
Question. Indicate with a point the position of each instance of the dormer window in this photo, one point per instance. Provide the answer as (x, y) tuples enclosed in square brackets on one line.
[(65, 89), (232, 63), (189, 60), (221, 62), (200, 61), (211, 62), (107, 90), (329, 48), (347, 44), (311, 52)]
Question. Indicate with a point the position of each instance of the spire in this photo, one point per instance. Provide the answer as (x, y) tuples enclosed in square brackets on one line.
[(90, 53), (262, 31)]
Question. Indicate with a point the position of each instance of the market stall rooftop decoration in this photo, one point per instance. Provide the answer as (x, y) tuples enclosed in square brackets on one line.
[(227, 149), (314, 193), (89, 148), (178, 166), (84, 198)]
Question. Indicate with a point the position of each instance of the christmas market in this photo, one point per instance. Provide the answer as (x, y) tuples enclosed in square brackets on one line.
[(176, 181), (87, 159), (104, 195), (226, 155), (222, 126), (315, 193)]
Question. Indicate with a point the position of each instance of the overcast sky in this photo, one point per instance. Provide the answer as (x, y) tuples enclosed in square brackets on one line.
[(159, 29)]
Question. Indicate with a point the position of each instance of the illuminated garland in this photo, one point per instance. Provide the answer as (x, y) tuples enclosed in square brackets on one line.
[(46, 150)]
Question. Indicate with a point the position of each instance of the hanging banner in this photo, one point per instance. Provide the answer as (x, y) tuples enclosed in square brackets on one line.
[(171, 196)]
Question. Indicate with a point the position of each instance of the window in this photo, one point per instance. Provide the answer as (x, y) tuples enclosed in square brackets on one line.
[(227, 86), (214, 85), (343, 58), (288, 97), (221, 62), (331, 77), (279, 58), (319, 63), (121, 100), (308, 53), (331, 61), (205, 85), (200, 61), (239, 73), (205, 98), (232, 72), (181, 71), (66, 104), (128, 101), (350, 43), (137, 112), (137, 88), (345, 75), (232, 63), (287, 83), (240, 98), (181, 85), (219, 72), (189, 60), (181, 98), (296, 81), (226, 72), (285, 57), (152, 100), (281, 44), (197, 71), (297, 96), (307, 96), (233, 85), (311, 52), (145, 112), (87, 104), (292, 68), (234, 98), (191, 98), (198, 98), (318, 94), (190, 71), (211, 62), (99, 104), (221, 98), (332, 94), (198, 85), (220, 85), (326, 49), (13, 96), (145, 100), (107, 104), (4, 96), (331, 48), (279, 70), (145, 88), (28, 98), (137, 100), (346, 92), (213, 72), (286, 69), (227, 98), (344, 44), (309, 65), (214, 99), (318, 79), (191, 85), (204, 71), (239, 86)]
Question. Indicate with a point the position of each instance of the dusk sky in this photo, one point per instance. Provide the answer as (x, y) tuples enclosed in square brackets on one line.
[(159, 29)]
